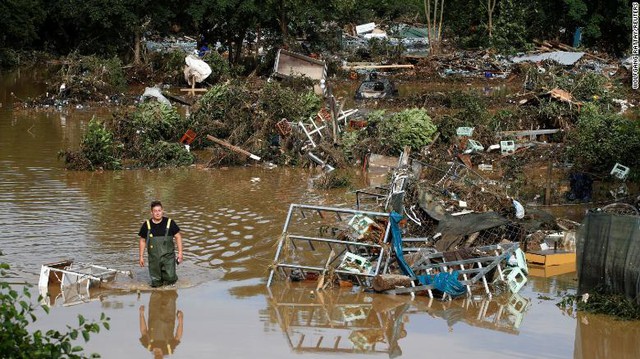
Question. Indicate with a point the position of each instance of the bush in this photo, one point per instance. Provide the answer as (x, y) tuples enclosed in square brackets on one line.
[(246, 117), (165, 154), (147, 137), (98, 150), (17, 312), (412, 127), (219, 66), (601, 301), (90, 78), (602, 139)]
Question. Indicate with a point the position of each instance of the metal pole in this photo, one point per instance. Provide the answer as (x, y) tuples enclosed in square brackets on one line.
[(284, 230)]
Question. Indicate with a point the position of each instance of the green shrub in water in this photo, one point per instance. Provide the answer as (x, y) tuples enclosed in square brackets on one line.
[(165, 154), (99, 147), (154, 121), (602, 302)]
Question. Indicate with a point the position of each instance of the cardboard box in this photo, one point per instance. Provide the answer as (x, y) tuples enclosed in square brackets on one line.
[(551, 257)]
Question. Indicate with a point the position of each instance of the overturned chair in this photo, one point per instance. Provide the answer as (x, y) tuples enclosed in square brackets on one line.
[(72, 280)]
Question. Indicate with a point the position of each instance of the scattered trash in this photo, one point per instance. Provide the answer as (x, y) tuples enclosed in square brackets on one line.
[(186, 44), (73, 280), (289, 63), (464, 131), (355, 264), (620, 171), (195, 70), (561, 57), (155, 93), (375, 87), (507, 147), (473, 146)]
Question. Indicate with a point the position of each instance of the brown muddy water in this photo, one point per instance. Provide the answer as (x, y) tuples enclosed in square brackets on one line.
[(230, 220)]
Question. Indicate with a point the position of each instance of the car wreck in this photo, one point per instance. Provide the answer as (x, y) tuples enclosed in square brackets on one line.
[(375, 87)]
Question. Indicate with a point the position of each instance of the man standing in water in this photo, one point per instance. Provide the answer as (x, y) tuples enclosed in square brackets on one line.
[(157, 235)]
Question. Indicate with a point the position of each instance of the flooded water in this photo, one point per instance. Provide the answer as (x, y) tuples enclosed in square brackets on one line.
[(230, 220)]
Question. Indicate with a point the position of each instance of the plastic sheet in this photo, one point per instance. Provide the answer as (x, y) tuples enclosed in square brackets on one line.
[(195, 69), (607, 253)]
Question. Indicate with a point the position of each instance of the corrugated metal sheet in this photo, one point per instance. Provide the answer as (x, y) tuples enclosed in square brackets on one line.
[(561, 57)]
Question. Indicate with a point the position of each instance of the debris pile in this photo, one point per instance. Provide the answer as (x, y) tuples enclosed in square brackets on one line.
[(83, 80), (440, 231)]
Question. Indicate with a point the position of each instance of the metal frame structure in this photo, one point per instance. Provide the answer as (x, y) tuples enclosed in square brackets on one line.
[(472, 270), (291, 235), (74, 279)]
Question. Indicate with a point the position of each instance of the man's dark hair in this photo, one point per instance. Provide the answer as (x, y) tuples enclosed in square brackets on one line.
[(156, 203)]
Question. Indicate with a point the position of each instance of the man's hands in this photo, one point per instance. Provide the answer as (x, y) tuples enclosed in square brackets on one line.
[(142, 244)]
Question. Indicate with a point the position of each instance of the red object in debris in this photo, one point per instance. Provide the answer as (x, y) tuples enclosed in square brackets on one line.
[(188, 137), (357, 124), (466, 159), (324, 115), (284, 127)]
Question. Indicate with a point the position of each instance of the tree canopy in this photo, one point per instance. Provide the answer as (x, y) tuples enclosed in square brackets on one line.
[(111, 27)]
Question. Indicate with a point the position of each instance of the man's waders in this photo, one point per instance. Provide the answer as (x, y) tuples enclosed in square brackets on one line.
[(162, 257), (162, 320)]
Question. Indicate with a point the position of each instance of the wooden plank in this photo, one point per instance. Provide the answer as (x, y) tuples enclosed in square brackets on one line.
[(233, 148), (409, 289)]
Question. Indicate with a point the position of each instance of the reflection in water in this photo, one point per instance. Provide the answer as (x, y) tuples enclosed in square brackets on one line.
[(597, 336), (501, 313), (343, 321), (338, 322), (160, 335)]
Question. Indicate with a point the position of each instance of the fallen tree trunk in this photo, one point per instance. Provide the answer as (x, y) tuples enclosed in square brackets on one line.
[(385, 282)]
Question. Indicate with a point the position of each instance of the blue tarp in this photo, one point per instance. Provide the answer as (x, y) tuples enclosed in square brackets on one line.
[(444, 282)]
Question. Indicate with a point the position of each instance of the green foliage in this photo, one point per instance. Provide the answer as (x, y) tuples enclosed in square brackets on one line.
[(350, 141), (151, 136), (16, 341), (99, 147), (154, 121), (90, 78), (590, 85), (601, 302), (472, 112), (384, 50), (333, 179), (170, 65), (20, 21), (147, 137), (279, 101), (245, 117), (165, 154), (219, 66), (219, 108), (9, 58), (556, 113), (412, 127), (471, 104), (601, 139), (510, 33)]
